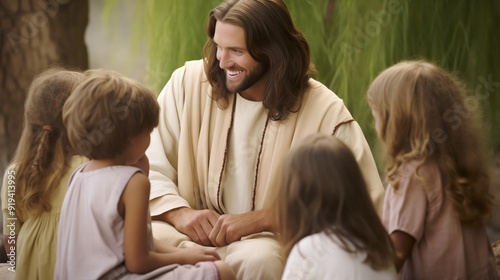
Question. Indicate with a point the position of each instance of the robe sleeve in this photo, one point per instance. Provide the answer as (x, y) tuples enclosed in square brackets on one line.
[(163, 150), (351, 134)]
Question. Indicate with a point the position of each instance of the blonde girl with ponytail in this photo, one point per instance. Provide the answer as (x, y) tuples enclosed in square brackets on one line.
[(35, 183)]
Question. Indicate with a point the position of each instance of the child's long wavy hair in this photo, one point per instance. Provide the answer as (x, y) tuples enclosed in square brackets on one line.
[(422, 115), (323, 190), (42, 156)]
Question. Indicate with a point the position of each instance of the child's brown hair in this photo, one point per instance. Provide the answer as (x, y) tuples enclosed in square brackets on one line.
[(105, 111), (423, 116), (323, 190), (42, 156)]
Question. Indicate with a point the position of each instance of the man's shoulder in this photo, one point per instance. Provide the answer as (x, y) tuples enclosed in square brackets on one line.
[(319, 98), (320, 93), (194, 66), (191, 71)]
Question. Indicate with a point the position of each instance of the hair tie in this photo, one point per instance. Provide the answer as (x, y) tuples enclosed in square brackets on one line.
[(48, 127)]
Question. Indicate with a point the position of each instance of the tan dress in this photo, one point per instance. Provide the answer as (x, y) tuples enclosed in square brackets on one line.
[(37, 236), (444, 248)]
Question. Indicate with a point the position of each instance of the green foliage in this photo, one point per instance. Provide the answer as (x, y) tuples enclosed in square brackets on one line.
[(354, 40), (352, 45), (175, 31)]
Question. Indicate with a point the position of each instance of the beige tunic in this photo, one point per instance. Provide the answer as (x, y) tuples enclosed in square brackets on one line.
[(188, 150), (244, 143)]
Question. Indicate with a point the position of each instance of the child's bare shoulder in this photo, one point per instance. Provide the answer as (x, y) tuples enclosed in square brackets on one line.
[(137, 186), (140, 180)]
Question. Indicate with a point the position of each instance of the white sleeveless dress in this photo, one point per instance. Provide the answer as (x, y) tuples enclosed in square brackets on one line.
[(90, 234)]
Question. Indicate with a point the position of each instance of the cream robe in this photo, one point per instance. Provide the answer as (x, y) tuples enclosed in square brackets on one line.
[(188, 148)]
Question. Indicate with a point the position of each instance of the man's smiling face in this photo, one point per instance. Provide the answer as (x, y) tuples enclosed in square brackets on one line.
[(243, 73)]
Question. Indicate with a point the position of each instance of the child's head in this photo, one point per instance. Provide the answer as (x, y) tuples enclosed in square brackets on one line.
[(46, 96), (421, 114), (408, 101), (42, 150), (106, 111), (323, 190)]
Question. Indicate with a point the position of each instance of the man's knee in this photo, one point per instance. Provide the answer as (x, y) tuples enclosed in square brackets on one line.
[(167, 233), (263, 259), (256, 258)]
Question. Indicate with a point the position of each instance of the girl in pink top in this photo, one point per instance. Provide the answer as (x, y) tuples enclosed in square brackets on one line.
[(438, 195)]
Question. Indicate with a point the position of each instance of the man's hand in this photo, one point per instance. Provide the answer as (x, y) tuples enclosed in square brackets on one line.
[(230, 228), (197, 224)]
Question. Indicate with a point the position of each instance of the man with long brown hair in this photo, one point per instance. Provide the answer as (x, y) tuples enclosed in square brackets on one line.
[(227, 123)]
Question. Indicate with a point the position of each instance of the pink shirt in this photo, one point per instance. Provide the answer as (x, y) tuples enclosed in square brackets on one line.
[(444, 248)]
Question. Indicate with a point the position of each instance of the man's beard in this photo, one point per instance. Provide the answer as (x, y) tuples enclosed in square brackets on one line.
[(253, 77)]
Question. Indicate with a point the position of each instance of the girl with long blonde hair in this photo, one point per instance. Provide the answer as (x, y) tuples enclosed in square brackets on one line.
[(438, 195), (35, 183)]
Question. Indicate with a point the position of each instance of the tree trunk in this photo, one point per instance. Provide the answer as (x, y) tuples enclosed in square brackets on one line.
[(34, 34)]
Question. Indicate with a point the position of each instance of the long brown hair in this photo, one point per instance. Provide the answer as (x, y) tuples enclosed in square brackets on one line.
[(272, 40), (323, 190), (423, 116), (43, 154)]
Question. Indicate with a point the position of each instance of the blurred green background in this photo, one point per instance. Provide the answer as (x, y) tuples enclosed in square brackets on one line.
[(351, 42)]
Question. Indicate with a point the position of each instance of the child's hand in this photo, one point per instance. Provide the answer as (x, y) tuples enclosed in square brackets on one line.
[(193, 255)]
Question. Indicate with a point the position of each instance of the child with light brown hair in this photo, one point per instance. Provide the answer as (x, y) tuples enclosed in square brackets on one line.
[(35, 183), (104, 230), (438, 195), (327, 222)]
